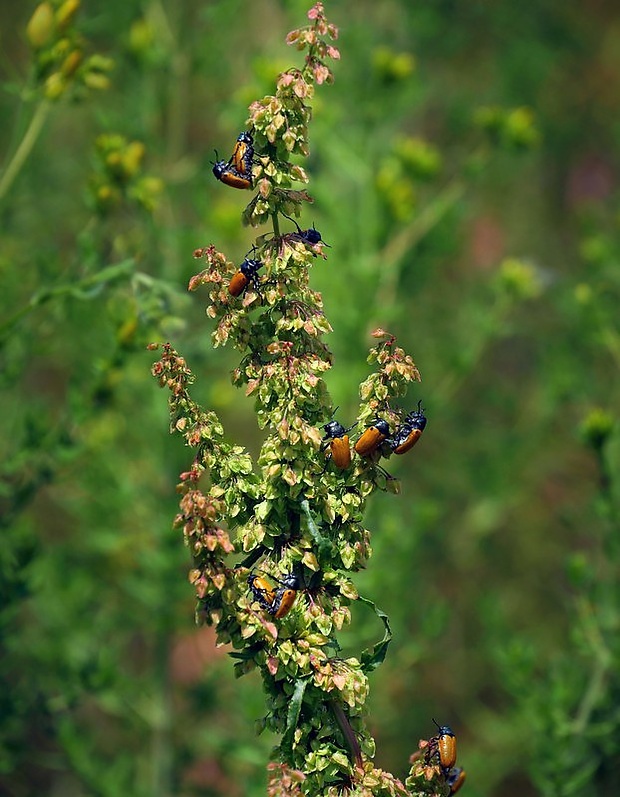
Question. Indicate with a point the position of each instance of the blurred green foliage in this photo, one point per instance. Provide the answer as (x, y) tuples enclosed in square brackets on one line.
[(463, 171)]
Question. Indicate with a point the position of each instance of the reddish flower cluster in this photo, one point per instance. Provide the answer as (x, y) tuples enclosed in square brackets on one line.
[(319, 49)]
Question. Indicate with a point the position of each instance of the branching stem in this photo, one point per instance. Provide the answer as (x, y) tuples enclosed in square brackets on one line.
[(25, 148)]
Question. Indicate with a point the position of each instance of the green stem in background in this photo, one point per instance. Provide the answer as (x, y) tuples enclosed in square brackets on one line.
[(176, 115), (591, 697), (432, 214), (602, 662), (25, 148), (177, 84), (611, 339), (105, 275), (391, 256), (452, 381), (592, 611), (276, 225)]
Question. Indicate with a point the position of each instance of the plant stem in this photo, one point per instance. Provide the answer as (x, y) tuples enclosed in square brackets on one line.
[(25, 148), (392, 255), (176, 120), (422, 224), (590, 698), (598, 676), (347, 730), (45, 294)]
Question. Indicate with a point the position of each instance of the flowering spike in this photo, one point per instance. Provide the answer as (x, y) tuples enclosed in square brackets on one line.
[(295, 514)]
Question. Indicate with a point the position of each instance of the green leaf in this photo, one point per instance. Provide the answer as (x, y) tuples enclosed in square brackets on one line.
[(371, 659), (325, 547), (292, 715)]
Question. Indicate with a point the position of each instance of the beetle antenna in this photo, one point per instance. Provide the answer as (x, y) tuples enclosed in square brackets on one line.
[(330, 417), (299, 230), (322, 241)]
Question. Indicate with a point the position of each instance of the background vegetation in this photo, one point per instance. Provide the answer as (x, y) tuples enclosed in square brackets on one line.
[(464, 172)]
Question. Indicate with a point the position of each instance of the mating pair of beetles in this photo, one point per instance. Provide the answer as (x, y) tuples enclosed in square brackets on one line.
[(277, 601), (237, 172), (442, 749), (405, 437)]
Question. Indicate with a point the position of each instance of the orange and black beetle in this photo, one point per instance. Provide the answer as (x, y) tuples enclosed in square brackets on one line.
[(444, 744), (455, 779), (277, 601), (372, 438), (243, 154), (248, 273), (285, 596), (229, 175), (262, 590), (337, 439), (409, 432)]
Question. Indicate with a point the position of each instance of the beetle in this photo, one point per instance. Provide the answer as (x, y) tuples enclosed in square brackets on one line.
[(372, 438), (243, 154), (444, 743), (247, 273), (409, 432), (278, 601), (285, 596), (337, 439), (229, 175), (455, 779), (262, 590), (311, 236)]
